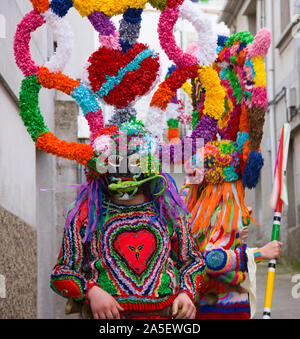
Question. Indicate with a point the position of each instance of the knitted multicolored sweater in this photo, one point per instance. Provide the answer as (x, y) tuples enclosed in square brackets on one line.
[(135, 257), (227, 265)]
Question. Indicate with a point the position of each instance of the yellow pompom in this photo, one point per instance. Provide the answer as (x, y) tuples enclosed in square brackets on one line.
[(108, 7), (260, 72), (215, 93)]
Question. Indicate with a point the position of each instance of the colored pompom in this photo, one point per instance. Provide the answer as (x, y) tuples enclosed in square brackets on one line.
[(29, 107), (40, 5), (29, 24), (252, 171), (261, 44), (61, 7), (119, 78)]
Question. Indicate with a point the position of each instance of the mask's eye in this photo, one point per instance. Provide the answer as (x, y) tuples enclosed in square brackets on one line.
[(134, 163), (134, 160), (115, 160)]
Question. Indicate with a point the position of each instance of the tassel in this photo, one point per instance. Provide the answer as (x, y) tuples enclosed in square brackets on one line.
[(92, 191), (229, 199)]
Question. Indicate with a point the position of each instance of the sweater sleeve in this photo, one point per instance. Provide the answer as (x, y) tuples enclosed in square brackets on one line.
[(190, 263), (222, 262), (68, 278), (257, 255)]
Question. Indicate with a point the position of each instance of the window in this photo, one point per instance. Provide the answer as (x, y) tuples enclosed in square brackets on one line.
[(285, 14)]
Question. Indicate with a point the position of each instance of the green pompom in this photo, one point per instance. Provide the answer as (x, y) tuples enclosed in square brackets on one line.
[(195, 119), (233, 59), (243, 37), (174, 123), (29, 107), (235, 85), (159, 4)]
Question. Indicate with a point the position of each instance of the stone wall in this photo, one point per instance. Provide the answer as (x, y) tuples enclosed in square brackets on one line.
[(18, 265)]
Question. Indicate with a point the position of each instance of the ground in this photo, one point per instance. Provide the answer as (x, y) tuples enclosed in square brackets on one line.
[(284, 306)]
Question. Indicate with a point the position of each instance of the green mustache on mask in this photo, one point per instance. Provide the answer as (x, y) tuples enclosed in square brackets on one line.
[(133, 185)]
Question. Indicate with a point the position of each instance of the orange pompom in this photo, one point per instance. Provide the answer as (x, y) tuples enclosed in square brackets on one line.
[(49, 143), (58, 81), (246, 151), (244, 121), (40, 5), (173, 133), (162, 97)]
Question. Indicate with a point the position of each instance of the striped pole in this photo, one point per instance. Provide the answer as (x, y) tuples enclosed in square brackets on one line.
[(278, 198), (272, 264)]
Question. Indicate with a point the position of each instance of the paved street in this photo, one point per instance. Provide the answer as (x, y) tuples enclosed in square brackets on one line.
[(284, 305)]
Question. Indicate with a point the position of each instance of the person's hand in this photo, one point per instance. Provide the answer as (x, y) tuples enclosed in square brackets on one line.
[(103, 305), (272, 250), (244, 235), (183, 307)]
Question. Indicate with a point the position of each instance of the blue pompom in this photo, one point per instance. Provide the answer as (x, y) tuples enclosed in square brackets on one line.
[(242, 137), (133, 15), (126, 46), (171, 70), (61, 7), (216, 259), (222, 40), (252, 171)]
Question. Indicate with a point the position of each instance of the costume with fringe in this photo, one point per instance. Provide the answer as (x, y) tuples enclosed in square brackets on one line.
[(229, 163)]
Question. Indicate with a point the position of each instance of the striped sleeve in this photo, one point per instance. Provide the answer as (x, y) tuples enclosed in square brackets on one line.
[(68, 278), (190, 263), (224, 261), (257, 255)]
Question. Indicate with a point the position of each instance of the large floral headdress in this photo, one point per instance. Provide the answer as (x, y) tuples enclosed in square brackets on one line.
[(231, 158), (120, 72)]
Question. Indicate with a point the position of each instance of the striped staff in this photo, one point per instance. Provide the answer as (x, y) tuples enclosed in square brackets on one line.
[(279, 197)]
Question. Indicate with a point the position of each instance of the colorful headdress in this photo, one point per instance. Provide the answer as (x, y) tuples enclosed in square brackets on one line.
[(231, 157), (117, 74), (120, 72)]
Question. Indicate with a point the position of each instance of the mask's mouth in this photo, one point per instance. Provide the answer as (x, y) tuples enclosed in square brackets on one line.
[(131, 185)]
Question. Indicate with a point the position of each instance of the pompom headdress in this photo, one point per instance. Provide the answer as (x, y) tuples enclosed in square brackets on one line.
[(120, 72), (227, 86), (231, 158)]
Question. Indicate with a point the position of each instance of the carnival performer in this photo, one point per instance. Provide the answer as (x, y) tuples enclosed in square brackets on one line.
[(138, 260), (219, 173), (126, 250)]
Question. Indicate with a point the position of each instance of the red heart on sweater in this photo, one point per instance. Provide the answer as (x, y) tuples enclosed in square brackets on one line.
[(136, 248), (111, 74)]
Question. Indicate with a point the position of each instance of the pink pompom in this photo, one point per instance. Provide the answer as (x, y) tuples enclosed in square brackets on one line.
[(96, 123), (261, 44), (166, 25), (29, 24), (111, 41), (260, 97), (102, 145)]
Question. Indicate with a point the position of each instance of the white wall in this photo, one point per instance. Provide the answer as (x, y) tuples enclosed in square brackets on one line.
[(23, 169), (17, 163), (17, 150)]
